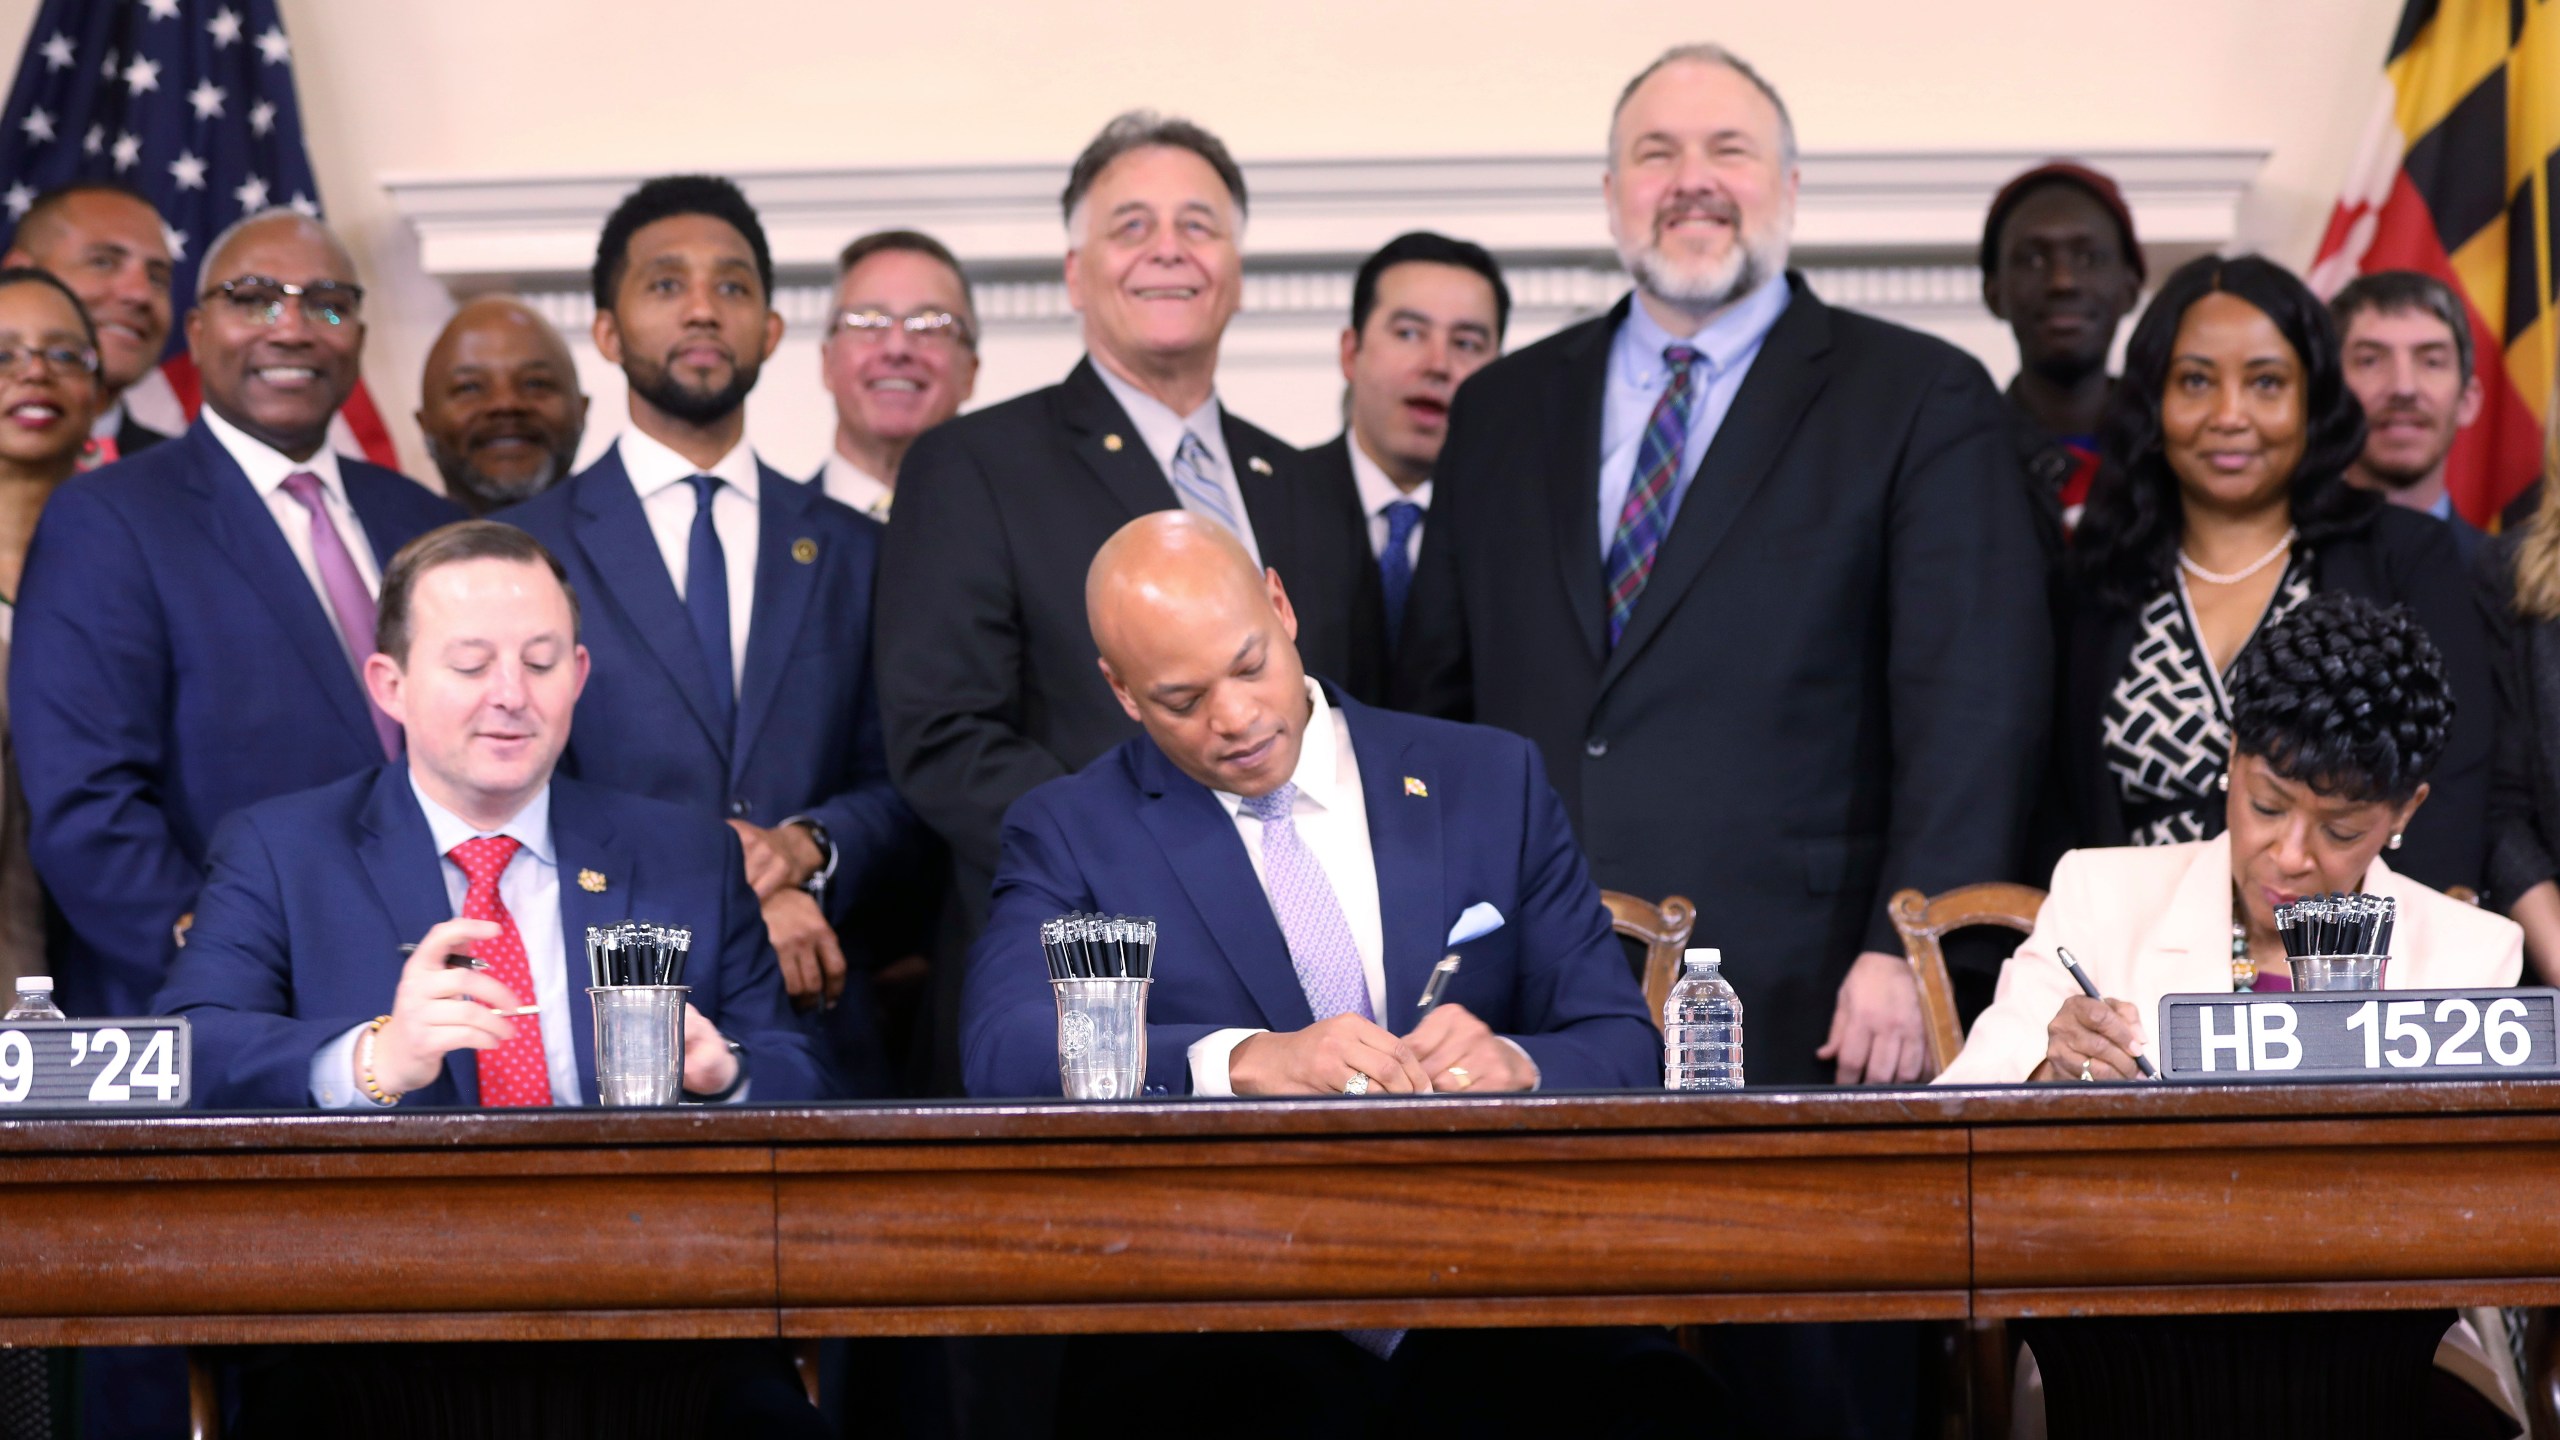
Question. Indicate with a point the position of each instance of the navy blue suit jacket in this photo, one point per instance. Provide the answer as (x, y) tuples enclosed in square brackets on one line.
[(1131, 834), (171, 665), (296, 937), (808, 726)]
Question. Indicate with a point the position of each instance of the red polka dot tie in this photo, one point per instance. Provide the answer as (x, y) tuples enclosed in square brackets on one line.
[(515, 1073)]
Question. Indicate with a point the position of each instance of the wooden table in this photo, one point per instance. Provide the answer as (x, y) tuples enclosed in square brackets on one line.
[(984, 1219)]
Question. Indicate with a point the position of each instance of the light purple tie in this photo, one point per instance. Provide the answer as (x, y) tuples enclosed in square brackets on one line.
[(349, 601), (1310, 915)]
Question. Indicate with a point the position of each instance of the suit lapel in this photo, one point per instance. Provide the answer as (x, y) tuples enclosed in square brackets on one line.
[(1201, 845), (1573, 479), (1785, 377), (784, 585), (587, 847), (384, 531), (1404, 844), (2187, 950), (399, 857), (1267, 495), (244, 532), (613, 533), (1126, 469)]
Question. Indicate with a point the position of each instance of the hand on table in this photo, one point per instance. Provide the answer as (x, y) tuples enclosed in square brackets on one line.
[(437, 1011), (1876, 1027), (2104, 1034), (1322, 1058), (812, 961), (1460, 1052)]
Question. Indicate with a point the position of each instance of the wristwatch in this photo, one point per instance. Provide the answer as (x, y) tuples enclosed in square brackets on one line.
[(737, 1052), (816, 884)]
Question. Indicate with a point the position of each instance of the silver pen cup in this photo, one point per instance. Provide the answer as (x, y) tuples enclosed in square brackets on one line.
[(2339, 972), (1102, 1037), (639, 1043)]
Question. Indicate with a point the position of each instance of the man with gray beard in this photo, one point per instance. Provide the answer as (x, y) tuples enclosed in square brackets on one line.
[(499, 404), (1760, 578)]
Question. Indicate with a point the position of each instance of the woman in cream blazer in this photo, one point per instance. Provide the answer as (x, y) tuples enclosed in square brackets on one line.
[(2337, 713)]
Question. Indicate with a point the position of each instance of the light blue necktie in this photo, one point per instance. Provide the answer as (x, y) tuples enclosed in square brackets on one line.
[(1195, 480)]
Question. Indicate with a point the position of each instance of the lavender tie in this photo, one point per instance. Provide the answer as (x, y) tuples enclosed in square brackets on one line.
[(349, 602), (1310, 915)]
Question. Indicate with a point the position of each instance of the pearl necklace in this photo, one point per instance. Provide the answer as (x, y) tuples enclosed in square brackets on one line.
[(2216, 577)]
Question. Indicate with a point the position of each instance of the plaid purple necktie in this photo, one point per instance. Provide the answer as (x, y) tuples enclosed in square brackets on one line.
[(1310, 914), (1646, 517)]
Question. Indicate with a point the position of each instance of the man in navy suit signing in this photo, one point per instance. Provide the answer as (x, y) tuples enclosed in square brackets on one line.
[(292, 974), (192, 620), (1308, 861)]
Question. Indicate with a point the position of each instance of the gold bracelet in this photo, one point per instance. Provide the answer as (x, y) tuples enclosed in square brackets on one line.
[(364, 1064)]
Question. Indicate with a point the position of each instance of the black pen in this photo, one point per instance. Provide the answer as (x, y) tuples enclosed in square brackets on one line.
[(2089, 988), (451, 962), (1436, 986)]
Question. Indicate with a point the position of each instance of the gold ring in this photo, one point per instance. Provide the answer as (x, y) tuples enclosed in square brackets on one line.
[(1460, 1074)]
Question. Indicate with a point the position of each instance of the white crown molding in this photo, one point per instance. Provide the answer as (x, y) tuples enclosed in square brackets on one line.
[(538, 232)]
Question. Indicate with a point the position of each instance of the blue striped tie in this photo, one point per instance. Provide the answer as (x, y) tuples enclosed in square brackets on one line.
[(1195, 480)]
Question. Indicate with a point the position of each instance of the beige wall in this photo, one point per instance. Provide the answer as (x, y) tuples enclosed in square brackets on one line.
[(511, 87)]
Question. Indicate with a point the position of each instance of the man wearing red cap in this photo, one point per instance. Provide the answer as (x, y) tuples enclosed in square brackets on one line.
[(2060, 265)]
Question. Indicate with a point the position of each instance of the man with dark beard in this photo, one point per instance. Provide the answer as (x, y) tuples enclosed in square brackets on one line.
[(728, 608), (499, 404), (2060, 266)]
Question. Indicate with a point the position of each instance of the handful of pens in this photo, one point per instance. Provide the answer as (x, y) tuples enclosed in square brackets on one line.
[(2337, 942), (1099, 947), (2341, 924), (637, 953)]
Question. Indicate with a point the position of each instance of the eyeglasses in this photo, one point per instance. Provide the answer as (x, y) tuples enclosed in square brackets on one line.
[(53, 359), (925, 327), (261, 300)]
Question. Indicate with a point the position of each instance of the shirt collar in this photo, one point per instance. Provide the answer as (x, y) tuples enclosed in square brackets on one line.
[(110, 421), (653, 467), (852, 485), (1377, 492), (529, 827), (1724, 341), (267, 466), (1157, 425), (1318, 775), (2443, 508)]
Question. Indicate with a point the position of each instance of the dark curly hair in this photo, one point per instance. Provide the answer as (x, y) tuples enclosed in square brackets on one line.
[(2345, 696), (663, 199), (2126, 549)]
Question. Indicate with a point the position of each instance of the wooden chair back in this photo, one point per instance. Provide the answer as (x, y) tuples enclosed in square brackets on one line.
[(1924, 921), (1663, 930)]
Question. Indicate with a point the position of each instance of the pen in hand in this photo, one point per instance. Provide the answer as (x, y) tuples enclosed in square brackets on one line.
[(1435, 987), (2089, 988), (459, 961)]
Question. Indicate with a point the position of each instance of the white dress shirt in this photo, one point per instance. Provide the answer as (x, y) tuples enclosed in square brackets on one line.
[(1377, 492), (530, 889), (1333, 823), (267, 468), (658, 476), (849, 484), (1160, 430)]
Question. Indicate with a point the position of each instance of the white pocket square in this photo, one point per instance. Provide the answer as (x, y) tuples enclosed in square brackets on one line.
[(1474, 923)]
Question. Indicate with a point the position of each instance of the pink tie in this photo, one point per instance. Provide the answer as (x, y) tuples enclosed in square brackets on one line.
[(349, 601)]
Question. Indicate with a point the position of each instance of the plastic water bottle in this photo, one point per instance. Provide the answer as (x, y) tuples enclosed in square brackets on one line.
[(1702, 1027), (35, 1000)]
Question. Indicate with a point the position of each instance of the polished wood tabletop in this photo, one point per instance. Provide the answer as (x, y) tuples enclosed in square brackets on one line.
[(978, 1218)]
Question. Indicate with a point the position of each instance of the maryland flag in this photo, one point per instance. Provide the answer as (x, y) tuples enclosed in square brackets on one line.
[(2457, 177)]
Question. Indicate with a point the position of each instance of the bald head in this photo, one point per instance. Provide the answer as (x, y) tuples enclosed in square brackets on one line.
[(1201, 649), (499, 404), (278, 363), (261, 230)]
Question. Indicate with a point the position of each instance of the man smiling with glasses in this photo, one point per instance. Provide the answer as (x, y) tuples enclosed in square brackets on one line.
[(900, 357)]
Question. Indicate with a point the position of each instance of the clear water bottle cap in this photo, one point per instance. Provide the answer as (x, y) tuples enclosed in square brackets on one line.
[(1702, 959), (31, 984)]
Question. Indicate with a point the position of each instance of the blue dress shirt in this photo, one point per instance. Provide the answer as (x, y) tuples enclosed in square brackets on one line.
[(1637, 374)]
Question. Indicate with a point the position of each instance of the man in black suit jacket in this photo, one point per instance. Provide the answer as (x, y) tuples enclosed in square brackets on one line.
[(1831, 683), (987, 675), (108, 244)]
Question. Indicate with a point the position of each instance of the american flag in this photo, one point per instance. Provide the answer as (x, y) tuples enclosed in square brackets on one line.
[(189, 102)]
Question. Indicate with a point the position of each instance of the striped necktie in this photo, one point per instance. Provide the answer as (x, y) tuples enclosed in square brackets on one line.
[(1646, 517), (1195, 480)]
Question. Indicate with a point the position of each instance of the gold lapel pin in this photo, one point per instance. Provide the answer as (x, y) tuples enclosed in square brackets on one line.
[(1413, 786), (1111, 443), (804, 550), (1258, 465), (592, 881)]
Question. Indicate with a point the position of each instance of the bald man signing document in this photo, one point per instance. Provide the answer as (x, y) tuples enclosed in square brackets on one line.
[(1308, 860)]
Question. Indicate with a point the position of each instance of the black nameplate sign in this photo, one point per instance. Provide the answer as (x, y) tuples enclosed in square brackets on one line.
[(2361, 1035), (95, 1065)]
